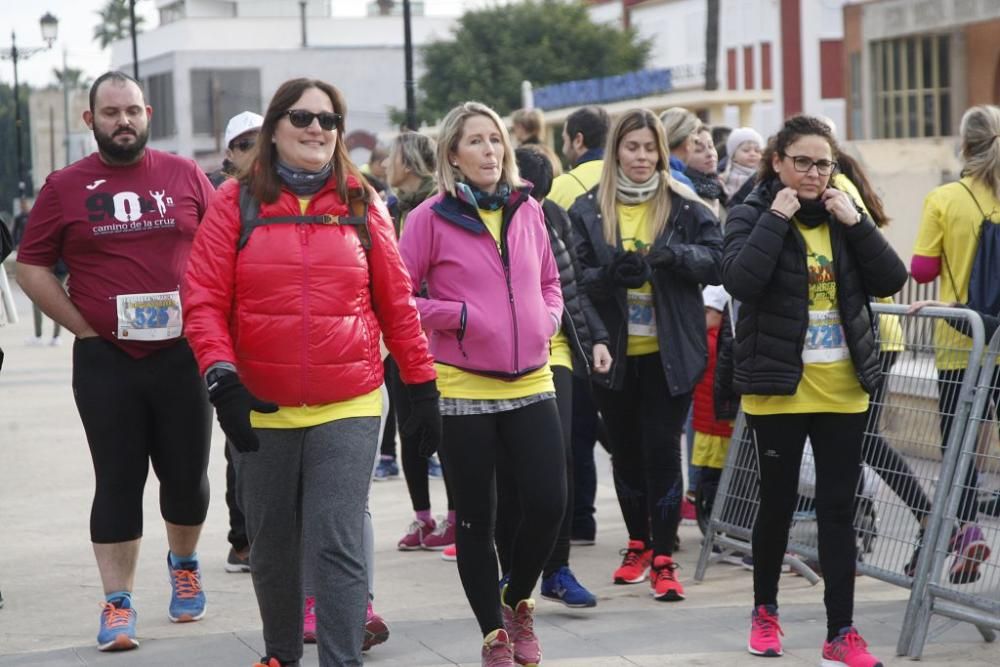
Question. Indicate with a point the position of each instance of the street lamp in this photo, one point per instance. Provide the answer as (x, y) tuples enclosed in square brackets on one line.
[(50, 28)]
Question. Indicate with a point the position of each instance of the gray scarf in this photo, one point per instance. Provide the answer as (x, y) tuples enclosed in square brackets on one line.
[(632, 193), (303, 182)]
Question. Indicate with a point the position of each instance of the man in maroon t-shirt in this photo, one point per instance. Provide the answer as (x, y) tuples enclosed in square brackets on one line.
[(123, 220)]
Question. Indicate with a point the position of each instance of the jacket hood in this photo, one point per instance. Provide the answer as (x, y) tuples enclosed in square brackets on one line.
[(763, 193)]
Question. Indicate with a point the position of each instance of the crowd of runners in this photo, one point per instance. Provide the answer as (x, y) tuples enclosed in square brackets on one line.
[(503, 312)]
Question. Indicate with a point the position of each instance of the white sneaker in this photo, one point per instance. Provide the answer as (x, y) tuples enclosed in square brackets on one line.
[(32, 341), (55, 342)]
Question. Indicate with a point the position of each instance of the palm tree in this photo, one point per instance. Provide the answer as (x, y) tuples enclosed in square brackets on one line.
[(114, 22), (73, 78)]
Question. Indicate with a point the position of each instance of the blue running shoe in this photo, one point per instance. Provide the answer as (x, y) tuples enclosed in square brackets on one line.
[(117, 631), (187, 599), (434, 470), (386, 469), (562, 586)]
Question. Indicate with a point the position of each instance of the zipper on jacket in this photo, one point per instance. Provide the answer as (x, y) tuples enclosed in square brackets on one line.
[(504, 261), (305, 310)]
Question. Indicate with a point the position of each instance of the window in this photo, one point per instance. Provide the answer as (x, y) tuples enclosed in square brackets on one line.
[(748, 82), (174, 11), (912, 87), (765, 65), (160, 95), (218, 95)]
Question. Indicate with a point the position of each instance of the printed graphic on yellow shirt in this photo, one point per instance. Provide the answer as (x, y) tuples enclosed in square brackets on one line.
[(633, 224), (825, 337)]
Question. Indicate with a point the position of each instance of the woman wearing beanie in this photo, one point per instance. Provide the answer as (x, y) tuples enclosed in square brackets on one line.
[(743, 151), (803, 261), (492, 304), (284, 314), (680, 126), (647, 244)]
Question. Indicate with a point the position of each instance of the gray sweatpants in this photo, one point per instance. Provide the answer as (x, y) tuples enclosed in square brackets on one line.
[(309, 486)]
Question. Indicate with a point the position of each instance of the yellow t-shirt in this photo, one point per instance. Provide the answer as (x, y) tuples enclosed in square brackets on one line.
[(579, 180), (559, 351), (709, 451), (303, 416), (637, 234), (455, 383), (949, 229), (829, 382)]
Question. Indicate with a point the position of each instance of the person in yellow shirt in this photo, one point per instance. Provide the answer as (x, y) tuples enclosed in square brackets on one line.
[(803, 261), (647, 244), (583, 140), (955, 221)]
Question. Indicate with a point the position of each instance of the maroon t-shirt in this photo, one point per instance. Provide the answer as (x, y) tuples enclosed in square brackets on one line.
[(120, 230)]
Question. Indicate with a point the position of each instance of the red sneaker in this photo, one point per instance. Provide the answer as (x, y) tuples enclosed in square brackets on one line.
[(309, 621), (635, 564), (689, 515), (498, 650), (415, 535), (376, 629), (450, 553), (663, 582), (765, 632), (442, 537), (848, 649), (520, 625)]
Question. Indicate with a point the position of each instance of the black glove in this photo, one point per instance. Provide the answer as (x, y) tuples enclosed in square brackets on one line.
[(662, 258), (425, 416), (233, 404), (630, 270)]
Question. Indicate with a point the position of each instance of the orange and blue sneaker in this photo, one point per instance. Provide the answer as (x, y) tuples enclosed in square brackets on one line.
[(848, 649), (765, 632), (663, 582), (187, 599), (636, 562), (117, 631), (309, 621)]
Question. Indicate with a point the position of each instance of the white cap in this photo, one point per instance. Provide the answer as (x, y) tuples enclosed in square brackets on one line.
[(242, 122), (742, 135), (715, 297)]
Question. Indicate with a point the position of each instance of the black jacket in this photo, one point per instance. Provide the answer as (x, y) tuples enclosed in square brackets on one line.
[(764, 268), (694, 235), (580, 321)]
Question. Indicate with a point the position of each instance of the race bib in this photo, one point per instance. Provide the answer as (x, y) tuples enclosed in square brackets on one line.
[(825, 340), (154, 316), (641, 317)]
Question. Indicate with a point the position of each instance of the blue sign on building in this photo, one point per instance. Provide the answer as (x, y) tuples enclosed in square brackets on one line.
[(605, 89)]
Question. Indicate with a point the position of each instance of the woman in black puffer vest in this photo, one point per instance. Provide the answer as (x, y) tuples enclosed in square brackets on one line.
[(580, 347), (803, 261)]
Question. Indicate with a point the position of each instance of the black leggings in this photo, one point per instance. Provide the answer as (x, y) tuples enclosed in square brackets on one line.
[(644, 424), (414, 465), (136, 412), (530, 439), (508, 510), (388, 445), (885, 460), (836, 444)]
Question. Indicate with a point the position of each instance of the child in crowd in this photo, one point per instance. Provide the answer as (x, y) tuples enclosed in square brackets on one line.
[(743, 150)]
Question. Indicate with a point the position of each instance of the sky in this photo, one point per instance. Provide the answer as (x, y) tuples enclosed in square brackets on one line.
[(77, 19)]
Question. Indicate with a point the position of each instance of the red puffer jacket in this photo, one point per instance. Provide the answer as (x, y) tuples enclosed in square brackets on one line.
[(703, 418), (300, 308)]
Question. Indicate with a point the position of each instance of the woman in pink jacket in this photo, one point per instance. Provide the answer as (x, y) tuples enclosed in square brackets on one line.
[(493, 302)]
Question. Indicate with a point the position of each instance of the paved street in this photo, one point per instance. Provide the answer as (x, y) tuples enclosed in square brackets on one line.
[(52, 592)]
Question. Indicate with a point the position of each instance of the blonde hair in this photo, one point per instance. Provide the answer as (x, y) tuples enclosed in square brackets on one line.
[(607, 191), (533, 122), (452, 128), (980, 132), (679, 124), (416, 153)]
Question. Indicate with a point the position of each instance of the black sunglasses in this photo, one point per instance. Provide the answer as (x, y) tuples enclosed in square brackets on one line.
[(301, 118), (243, 145)]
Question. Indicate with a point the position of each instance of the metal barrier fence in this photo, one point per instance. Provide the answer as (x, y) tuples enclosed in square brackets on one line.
[(917, 424)]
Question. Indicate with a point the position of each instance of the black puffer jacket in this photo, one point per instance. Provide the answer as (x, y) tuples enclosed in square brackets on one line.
[(764, 268), (580, 321), (694, 235)]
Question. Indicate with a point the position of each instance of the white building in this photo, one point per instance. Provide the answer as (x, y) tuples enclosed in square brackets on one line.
[(211, 59), (47, 109)]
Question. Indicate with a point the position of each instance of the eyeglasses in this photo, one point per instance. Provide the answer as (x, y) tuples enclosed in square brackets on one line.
[(301, 118), (243, 145), (803, 164)]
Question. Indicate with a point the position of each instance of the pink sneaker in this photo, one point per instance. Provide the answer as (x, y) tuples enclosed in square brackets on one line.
[(442, 537), (498, 651), (971, 551), (520, 625), (765, 632), (376, 629), (415, 535), (689, 515), (309, 621), (848, 649), (450, 553)]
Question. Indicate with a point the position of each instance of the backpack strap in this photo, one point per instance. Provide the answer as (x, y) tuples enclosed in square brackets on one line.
[(976, 201), (250, 219)]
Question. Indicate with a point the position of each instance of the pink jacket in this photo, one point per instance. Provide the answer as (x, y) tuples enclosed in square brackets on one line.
[(487, 310)]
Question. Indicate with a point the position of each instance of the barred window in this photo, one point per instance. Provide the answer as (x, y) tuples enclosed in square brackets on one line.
[(219, 94), (160, 96), (912, 81)]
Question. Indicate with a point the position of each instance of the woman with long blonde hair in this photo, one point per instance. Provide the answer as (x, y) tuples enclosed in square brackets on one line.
[(647, 245)]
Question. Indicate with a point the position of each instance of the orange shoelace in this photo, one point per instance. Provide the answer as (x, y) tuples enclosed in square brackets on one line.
[(115, 616), (187, 583)]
